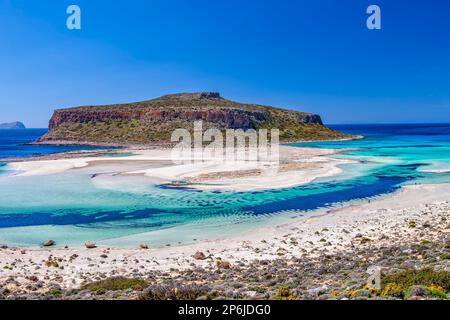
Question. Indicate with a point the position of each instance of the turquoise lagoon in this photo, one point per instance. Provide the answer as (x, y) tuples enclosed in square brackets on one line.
[(72, 208)]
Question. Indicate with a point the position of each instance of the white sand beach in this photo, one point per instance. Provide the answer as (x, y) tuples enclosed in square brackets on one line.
[(295, 166)]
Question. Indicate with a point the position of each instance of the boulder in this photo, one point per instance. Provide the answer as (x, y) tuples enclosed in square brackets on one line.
[(48, 243), (90, 245), (415, 292), (199, 256)]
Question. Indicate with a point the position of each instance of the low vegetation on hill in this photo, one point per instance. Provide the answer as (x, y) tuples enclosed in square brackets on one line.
[(153, 121)]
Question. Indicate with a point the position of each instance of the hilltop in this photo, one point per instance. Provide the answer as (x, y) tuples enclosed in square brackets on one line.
[(154, 120)]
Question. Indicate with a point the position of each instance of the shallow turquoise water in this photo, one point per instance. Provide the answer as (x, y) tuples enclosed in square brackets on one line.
[(72, 208)]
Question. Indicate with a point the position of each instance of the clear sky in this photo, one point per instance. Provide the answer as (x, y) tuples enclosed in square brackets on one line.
[(311, 55)]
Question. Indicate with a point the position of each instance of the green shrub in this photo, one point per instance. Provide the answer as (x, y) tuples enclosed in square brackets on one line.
[(174, 292), (444, 256), (115, 284), (392, 290), (398, 284), (284, 293), (437, 292)]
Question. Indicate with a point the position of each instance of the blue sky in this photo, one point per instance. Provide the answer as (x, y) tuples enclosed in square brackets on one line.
[(311, 55)]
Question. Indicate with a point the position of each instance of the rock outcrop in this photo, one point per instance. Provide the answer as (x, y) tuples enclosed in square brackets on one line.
[(154, 120), (226, 118)]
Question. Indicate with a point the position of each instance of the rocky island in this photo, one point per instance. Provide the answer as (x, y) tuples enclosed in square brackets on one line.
[(153, 121), (12, 125)]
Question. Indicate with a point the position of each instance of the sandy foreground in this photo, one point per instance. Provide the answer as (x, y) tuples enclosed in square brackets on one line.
[(393, 220), (384, 222)]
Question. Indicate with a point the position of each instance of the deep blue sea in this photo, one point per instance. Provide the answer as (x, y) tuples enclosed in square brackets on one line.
[(72, 208), (14, 143)]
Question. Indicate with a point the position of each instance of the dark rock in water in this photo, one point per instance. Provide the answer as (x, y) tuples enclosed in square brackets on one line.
[(12, 125), (48, 243), (144, 246)]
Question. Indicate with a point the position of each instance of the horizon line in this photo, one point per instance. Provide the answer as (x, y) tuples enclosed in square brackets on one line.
[(328, 124)]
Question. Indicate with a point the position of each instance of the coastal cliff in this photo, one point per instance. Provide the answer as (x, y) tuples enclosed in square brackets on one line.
[(153, 121)]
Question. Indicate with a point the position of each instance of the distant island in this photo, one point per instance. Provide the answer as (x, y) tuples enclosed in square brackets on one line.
[(153, 121), (12, 125)]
